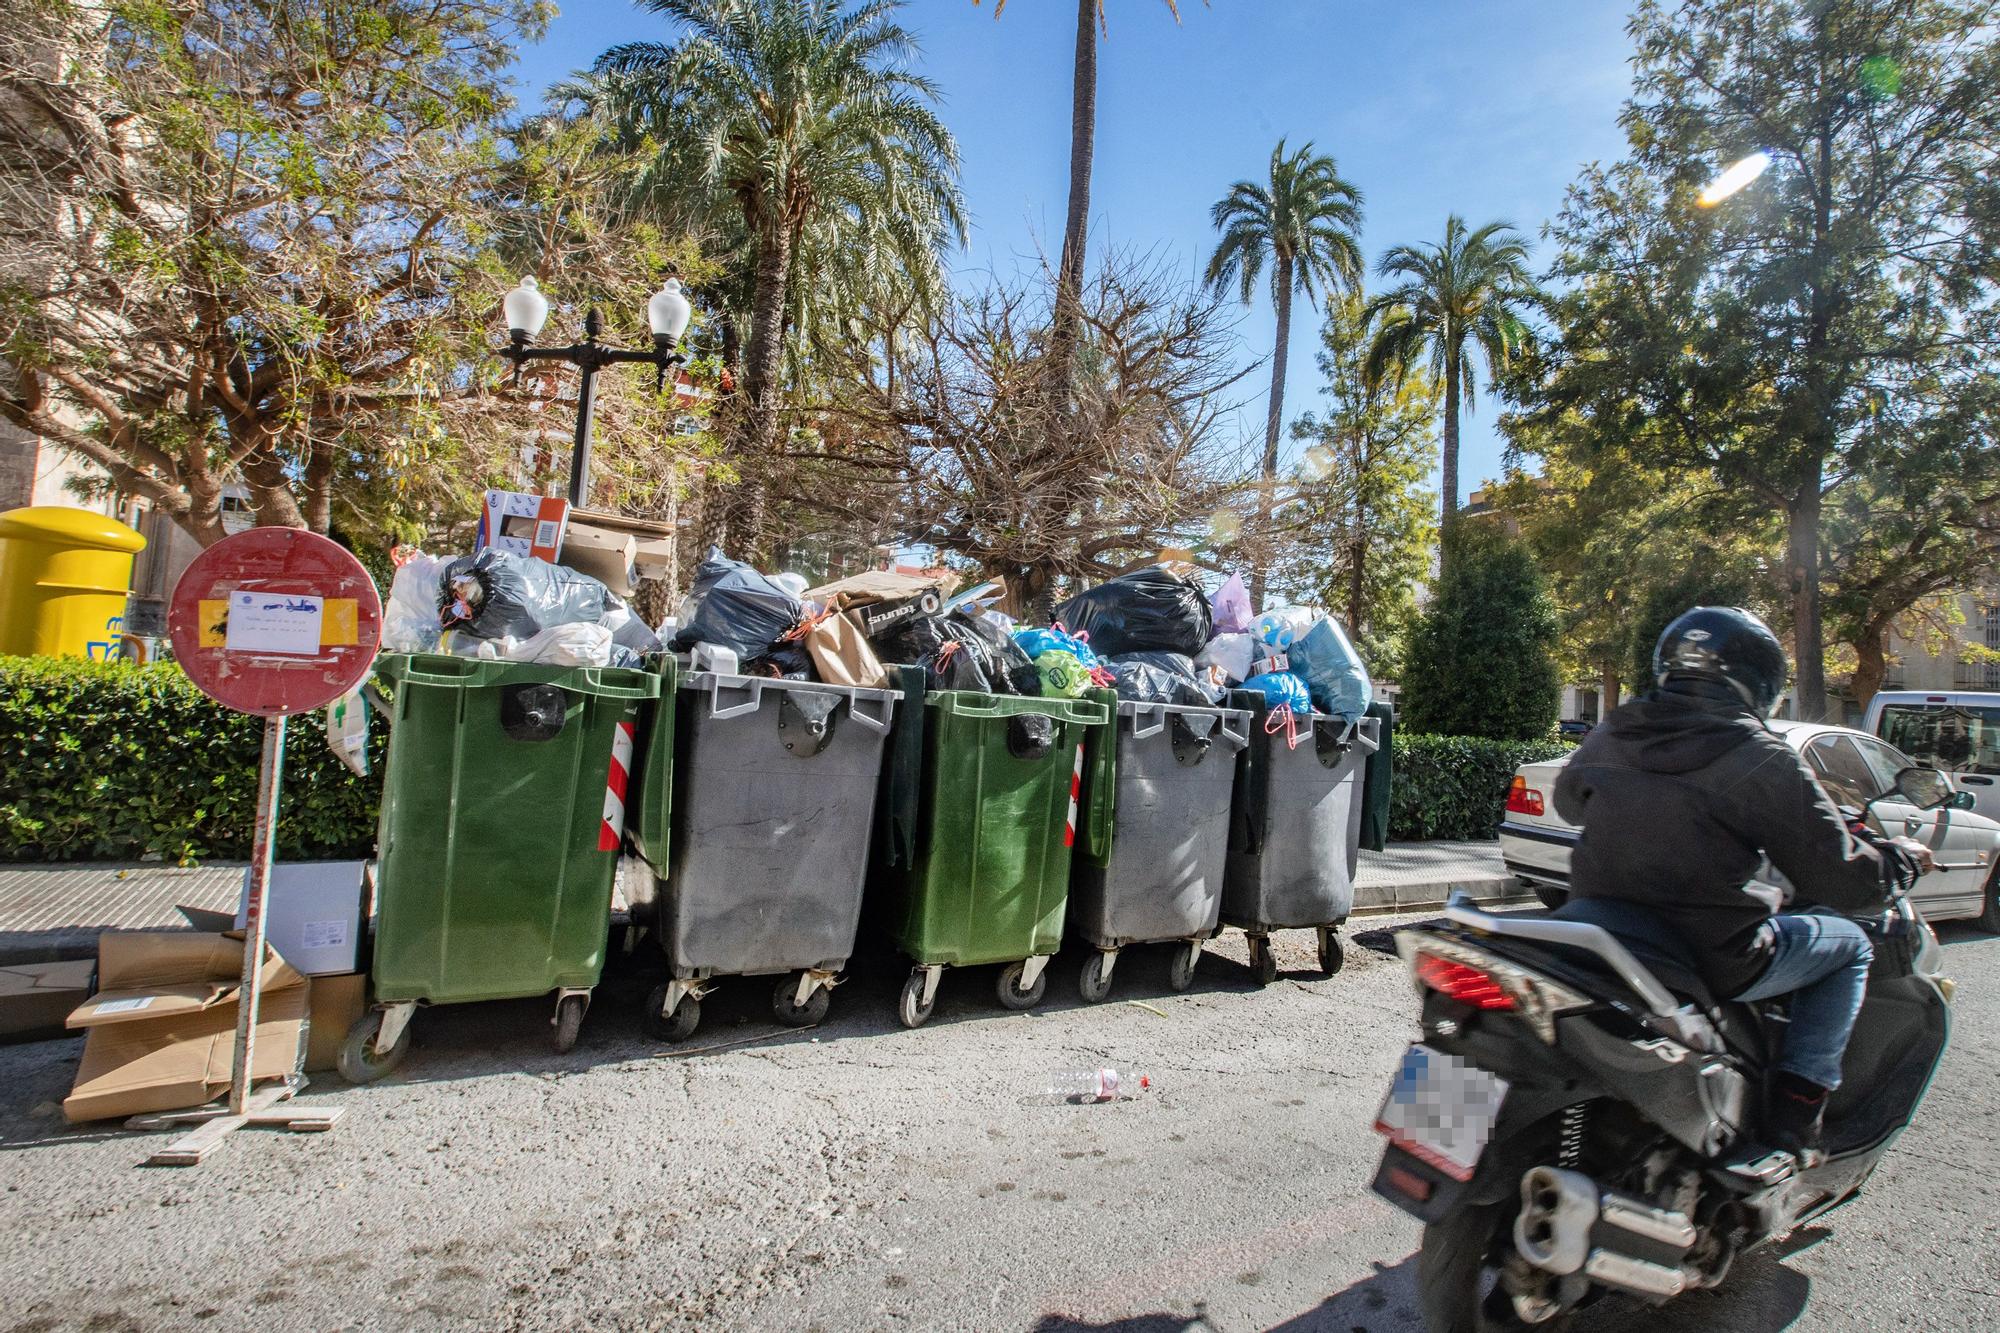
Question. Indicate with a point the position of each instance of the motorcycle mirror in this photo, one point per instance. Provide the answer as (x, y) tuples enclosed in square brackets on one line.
[(1925, 788)]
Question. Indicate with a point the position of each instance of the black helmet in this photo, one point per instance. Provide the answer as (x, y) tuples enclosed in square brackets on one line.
[(1725, 644)]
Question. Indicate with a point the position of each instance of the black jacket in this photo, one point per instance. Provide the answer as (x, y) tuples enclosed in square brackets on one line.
[(1679, 795)]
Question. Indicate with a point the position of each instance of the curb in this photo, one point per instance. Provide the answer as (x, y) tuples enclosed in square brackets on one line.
[(1385, 899)]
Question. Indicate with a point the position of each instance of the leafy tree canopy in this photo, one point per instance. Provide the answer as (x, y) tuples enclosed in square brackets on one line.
[(1480, 658)]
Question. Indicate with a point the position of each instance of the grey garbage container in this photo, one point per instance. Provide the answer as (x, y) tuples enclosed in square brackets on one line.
[(1295, 831), (773, 809), (1150, 862)]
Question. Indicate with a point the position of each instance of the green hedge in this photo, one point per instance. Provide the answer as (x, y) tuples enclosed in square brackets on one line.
[(1454, 786), (111, 761)]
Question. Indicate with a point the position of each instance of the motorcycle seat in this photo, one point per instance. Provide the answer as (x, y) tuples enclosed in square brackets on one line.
[(1646, 939)]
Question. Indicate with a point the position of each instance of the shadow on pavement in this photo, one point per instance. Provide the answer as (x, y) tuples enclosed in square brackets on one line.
[(1384, 1301), (1760, 1296)]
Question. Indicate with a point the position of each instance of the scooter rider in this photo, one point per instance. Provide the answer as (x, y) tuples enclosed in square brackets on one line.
[(1680, 793)]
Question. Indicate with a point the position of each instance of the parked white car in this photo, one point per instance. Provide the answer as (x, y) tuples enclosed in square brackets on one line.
[(1852, 765)]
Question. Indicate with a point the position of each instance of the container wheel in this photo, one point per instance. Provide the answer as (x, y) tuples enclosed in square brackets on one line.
[(1095, 983), (1263, 963), (569, 1021), (910, 1006), (1552, 896), (1180, 972), (799, 1015), (359, 1061), (1011, 994), (677, 1026), (1331, 955)]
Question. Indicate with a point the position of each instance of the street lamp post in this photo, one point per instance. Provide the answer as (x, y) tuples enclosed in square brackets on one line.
[(527, 310)]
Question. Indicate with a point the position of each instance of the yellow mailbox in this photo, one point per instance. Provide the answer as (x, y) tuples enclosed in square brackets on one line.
[(64, 574)]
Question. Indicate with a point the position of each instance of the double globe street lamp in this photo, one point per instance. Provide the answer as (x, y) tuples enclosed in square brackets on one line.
[(527, 310)]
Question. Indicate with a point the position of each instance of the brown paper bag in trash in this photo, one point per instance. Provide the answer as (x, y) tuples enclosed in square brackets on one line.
[(843, 654)]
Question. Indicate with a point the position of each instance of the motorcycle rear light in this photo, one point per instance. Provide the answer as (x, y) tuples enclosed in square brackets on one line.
[(1408, 1183), (1523, 799), (1467, 985), (1459, 968)]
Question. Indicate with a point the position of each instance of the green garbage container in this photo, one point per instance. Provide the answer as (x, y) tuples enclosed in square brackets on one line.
[(1377, 781), (502, 818), (989, 878)]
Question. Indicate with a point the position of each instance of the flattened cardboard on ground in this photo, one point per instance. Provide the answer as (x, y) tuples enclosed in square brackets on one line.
[(312, 914), (333, 1005), (36, 998), (163, 1025), (143, 975)]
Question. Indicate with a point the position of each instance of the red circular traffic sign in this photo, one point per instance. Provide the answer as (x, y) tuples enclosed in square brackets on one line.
[(275, 621)]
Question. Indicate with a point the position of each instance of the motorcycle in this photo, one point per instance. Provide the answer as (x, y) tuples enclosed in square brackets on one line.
[(1582, 1115)]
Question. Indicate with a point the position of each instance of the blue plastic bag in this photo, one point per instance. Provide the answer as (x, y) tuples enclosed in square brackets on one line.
[(1035, 642), (1282, 689), (1333, 671), (1278, 630)]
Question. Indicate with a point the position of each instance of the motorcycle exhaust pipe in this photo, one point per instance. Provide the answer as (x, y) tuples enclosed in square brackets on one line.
[(1568, 1225)]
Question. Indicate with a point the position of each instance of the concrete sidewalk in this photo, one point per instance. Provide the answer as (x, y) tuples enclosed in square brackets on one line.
[(1411, 876), (48, 912), (56, 911)]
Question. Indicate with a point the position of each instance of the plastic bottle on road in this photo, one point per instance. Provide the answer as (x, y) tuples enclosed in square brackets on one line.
[(1095, 1085)]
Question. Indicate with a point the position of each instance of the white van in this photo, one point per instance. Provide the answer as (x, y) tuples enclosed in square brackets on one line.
[(1957, 731)]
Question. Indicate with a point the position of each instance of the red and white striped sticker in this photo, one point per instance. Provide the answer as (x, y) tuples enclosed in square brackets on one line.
[(1075, 789), (612, 832)]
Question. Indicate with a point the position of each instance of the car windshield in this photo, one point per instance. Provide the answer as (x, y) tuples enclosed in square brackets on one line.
[(1953, 737)]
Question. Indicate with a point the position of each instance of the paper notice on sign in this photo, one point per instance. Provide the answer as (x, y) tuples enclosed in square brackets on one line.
[(323, 935), (266, 622)]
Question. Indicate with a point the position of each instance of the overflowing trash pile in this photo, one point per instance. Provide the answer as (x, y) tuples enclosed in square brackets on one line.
[(1152, 635)]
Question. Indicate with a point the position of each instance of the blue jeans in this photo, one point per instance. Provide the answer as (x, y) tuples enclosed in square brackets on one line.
[(1822, 961)]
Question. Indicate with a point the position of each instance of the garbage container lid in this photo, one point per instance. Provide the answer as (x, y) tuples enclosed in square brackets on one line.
[(63, 525)]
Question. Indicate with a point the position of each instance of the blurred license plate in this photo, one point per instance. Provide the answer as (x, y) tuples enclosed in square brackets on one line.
[(1441, 1110)]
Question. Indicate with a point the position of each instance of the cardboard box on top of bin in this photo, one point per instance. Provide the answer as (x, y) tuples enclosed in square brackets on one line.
[(617, 550), (523, 524), (881, 599)]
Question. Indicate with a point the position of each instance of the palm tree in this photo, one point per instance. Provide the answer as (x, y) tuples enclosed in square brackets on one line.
[(1068, 317), (1463, 295), (1307, 223), (803, 118)]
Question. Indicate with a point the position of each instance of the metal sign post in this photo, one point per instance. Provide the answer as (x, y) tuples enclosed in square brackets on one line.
[(270, 772), (270, 622)]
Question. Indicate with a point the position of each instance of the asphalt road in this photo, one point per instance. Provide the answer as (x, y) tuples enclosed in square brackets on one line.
[(857, 1176)]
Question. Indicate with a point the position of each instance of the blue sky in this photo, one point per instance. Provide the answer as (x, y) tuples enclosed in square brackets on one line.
[(1481, 107)]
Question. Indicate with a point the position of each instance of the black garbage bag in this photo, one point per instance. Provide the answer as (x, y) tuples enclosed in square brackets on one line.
[(1010, 668), (1150, 610), (1161, 678), (785, 661), (735, 607), (952, 653), (497, 594)]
